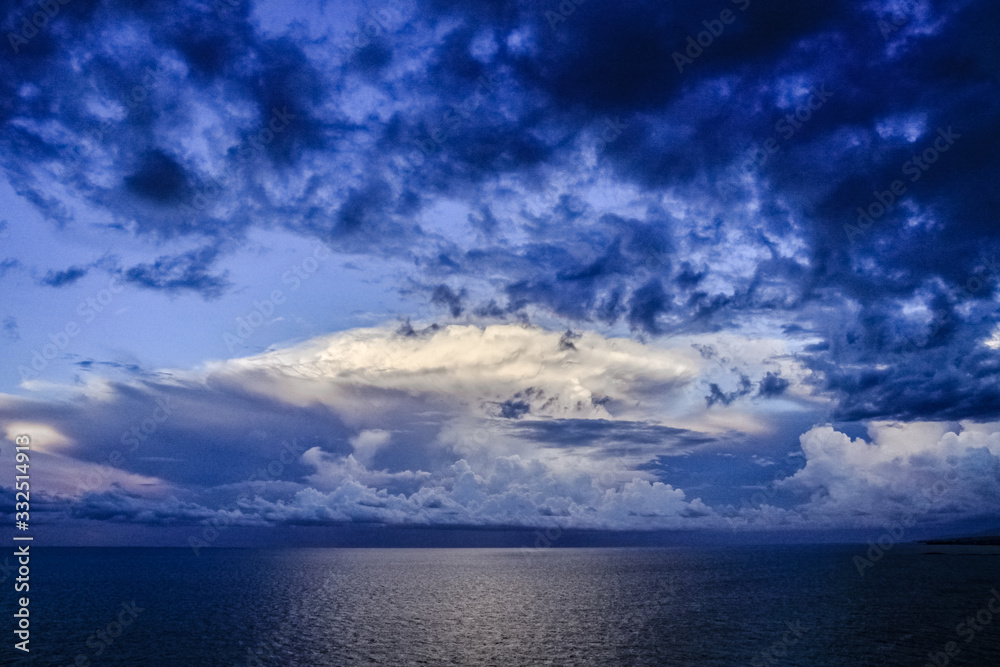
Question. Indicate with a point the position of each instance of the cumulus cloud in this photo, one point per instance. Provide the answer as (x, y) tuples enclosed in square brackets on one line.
[(400, 428), (456, 425), (511, 493), (367, 442), (933, 472)]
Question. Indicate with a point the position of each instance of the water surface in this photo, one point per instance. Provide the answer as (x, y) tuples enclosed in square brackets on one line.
[(683, 606)]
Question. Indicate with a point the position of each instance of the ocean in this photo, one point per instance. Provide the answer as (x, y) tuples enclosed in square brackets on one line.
[(788, 605)]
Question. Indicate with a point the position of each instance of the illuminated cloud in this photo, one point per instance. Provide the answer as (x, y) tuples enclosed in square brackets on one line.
[(639, 308)]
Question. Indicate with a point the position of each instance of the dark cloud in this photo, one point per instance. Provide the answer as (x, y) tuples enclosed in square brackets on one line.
[(66, 277), (190, 271), (229, 431), (119, 507), (132, 369), (8, 265), (717, 395), (512, 409), (10, 329), (159, 178), (185, 54), (772, 385), (490, 309), (605, 433), (484, 221), (506, 105), (706, 351), (445, 296), (566, 341), (647, 304)]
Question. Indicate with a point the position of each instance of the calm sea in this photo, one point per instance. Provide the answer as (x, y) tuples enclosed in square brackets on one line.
[(686, 606)]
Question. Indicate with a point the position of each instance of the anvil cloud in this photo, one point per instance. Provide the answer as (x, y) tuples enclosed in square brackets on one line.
[(567, 277)]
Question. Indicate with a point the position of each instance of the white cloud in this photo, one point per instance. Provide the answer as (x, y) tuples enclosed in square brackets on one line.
[(367, 443), (462, 425), (993, 342), (42, 437), (476, 369), (473, 370), (333, 471), (511, 492), (933, 470)]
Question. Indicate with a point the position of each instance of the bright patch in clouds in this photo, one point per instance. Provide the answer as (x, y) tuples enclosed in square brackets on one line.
[(504, 425), (43, 437), (497, 371)]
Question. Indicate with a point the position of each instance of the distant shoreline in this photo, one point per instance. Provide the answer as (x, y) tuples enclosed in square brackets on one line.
[(989, 540)]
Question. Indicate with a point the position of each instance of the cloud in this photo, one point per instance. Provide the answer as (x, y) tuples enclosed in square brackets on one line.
[(8, 265), (512, 493), (445, 296), (465, 141), (430, 429), (43, 436), (188, 271), (511, 409), (117, 507), (452, 425), (933, 471), (612, 434), (367, 442), (772, 385), (67, 277), (11, 331), (719, 396), (466, 147), (598, 378)]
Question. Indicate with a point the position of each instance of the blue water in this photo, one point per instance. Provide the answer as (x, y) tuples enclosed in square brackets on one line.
[(704, 606)]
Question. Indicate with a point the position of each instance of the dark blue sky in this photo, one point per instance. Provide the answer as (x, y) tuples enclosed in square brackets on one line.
[(718, 266)]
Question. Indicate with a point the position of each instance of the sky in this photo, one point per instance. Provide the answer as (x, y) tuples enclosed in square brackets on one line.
[(276, 272)]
